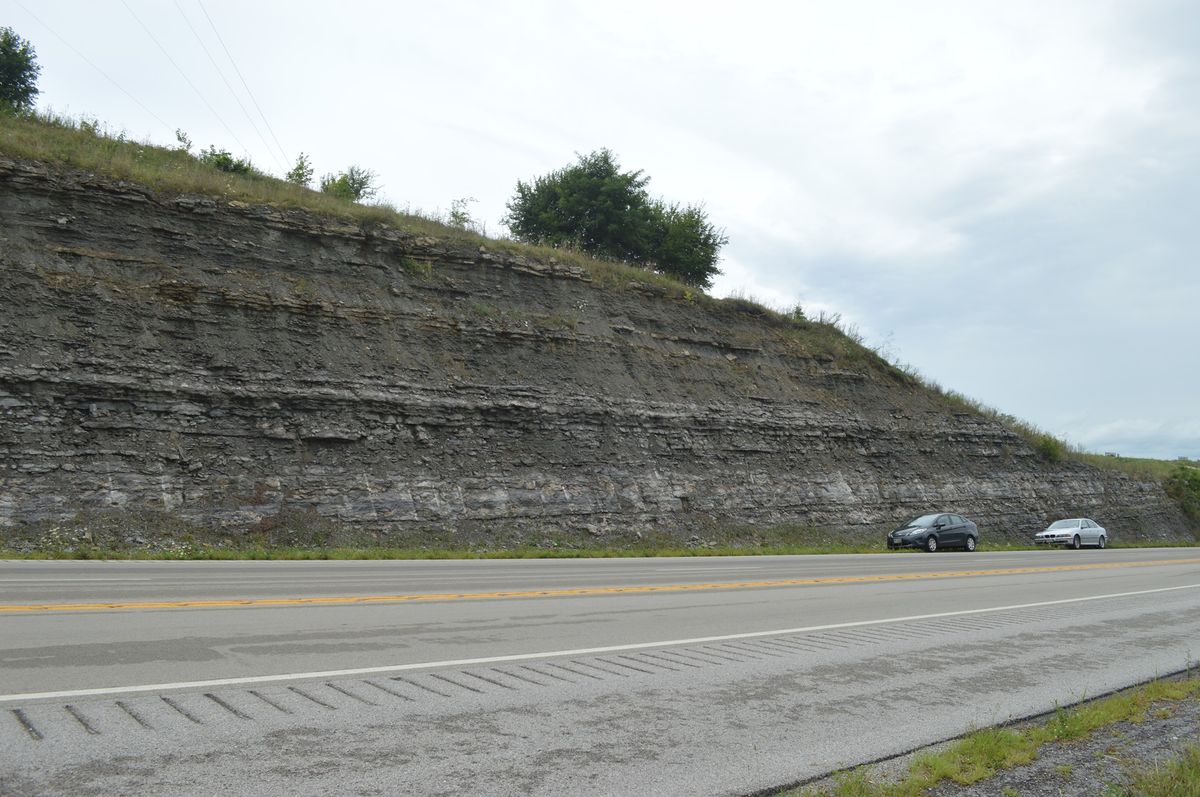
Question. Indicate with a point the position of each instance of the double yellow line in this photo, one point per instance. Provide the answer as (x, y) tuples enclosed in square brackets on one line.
[(560, 593)]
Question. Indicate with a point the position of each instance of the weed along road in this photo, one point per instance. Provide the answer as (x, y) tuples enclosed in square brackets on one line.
[(619, 676)]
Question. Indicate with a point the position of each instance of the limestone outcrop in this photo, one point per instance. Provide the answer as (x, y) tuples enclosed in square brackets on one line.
[(223, 363)]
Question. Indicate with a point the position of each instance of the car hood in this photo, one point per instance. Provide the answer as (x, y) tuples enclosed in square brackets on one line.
[(908, 528)]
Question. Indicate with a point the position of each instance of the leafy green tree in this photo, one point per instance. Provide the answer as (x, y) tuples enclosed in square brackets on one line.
[(355, 184), (302, 173), (593, 206), (19, 72), (590, 205), (687, 245)]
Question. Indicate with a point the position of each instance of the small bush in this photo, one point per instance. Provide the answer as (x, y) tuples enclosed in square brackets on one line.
[(353, 185), (1183, 485), (223, 160), (302, 173), (1050, 448)]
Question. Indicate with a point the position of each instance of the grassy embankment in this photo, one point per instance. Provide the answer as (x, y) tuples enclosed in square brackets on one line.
[(1178, 778), (982, 754)]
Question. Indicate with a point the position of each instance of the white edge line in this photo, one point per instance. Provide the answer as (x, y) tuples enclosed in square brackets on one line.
[(298, 676)]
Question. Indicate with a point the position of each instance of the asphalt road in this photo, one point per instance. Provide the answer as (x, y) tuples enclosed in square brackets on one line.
[(647, 676)]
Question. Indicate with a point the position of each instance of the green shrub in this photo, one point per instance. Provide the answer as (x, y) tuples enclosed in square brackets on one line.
[(223, 160), (353, 185), (1050, 448), (1183, 485)]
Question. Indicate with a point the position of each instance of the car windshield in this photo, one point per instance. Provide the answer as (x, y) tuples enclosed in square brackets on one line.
[(1064, 524), (923, 520)]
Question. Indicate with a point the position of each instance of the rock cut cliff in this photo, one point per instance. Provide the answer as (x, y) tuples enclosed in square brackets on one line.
[(226, 364)]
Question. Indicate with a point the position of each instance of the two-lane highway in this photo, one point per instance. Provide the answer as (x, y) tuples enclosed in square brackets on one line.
[(723, 674)]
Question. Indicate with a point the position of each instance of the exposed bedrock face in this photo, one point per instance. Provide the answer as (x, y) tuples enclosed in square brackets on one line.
[(222, 363)]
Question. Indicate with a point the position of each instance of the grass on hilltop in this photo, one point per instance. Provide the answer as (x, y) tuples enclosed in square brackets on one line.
[(91, 146)]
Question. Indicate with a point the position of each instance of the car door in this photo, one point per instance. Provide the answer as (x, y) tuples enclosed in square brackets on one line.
[(952, 532), (1093, 532), (960, 530)]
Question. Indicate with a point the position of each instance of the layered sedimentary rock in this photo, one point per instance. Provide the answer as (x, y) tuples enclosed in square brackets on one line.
[(225, 363)]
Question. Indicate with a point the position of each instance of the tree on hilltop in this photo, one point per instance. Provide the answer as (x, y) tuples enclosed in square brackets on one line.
[(19, 72), (593, 206), (355, 184)]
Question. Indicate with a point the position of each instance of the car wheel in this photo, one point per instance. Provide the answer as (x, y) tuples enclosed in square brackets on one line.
[(970, 544), (1075, 543), (1103, 542), (931, 545)]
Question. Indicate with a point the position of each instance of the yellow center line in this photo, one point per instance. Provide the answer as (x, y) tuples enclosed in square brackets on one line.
[(554, 593)]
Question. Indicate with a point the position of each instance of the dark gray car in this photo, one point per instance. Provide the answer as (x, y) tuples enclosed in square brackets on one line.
[(934, 532)]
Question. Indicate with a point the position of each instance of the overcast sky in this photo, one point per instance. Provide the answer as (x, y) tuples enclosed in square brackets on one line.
[(1002, 194)]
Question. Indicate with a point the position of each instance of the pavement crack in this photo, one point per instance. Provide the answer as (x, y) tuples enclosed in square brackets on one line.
[(304, 694), (601, 669), (82, 720), (391, 692), (134, 715), (33, 732), (420, 686), (456, 683), (349, 694), (269, 701), (226, 706), (182, 711)]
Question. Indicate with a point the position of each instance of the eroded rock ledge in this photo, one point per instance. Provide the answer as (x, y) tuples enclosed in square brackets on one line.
[(221, 363)]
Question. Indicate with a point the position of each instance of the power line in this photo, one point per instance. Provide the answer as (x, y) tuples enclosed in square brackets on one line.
[(153, 38), (243, 79), (89, 62), (233, 93)]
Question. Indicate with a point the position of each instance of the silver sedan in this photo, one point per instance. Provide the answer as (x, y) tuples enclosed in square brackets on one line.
[(1073, 533)]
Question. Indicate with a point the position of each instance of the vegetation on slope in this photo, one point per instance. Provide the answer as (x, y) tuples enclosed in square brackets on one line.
[(593, 206), (90, 146)]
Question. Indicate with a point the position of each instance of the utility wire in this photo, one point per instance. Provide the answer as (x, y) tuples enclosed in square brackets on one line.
[(243, 79), (185, 77), (89, 62), (233, 93)]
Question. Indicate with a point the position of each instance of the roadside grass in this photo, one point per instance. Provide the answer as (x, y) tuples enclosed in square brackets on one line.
[(206, 551), (981, 754), (1177, 778), (201, 552)]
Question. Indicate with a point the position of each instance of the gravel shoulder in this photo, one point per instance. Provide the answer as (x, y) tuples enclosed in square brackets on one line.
[(1099, 765)]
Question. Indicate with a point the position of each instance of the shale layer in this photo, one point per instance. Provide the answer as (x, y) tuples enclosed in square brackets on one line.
[(224, 364)]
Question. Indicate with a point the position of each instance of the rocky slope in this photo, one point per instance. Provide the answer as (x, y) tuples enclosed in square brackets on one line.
[(184, 357)]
